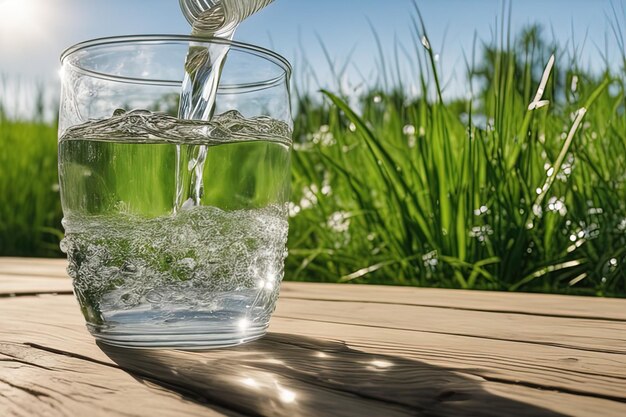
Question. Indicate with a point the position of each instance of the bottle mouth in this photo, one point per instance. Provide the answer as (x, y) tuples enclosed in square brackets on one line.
[(192, 8), (71, 57)]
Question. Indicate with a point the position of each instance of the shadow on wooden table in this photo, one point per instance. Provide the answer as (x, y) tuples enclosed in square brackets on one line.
[(289, 375)]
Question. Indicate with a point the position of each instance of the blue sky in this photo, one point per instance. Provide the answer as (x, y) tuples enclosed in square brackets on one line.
[(34, 32)]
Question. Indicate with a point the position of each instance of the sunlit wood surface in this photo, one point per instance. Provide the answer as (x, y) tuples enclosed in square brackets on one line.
[(332, 350)]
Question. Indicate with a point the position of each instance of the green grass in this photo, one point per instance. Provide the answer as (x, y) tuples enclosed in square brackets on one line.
[(419, 192), (30, 209), (488, 193)]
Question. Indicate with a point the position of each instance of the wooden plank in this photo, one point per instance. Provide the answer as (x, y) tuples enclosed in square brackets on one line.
[(573, 333), (33, 267), (36, 382), (437, 374), (522, 303), (584, 334), (532, 304), (556, 367), (24, 285), (537, 375), (55, 262)]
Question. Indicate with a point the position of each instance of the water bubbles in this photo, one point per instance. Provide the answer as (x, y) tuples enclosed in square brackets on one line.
[(141, 125), (64, 245), (187, 260)]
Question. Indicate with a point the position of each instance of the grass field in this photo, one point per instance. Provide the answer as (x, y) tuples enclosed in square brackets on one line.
[(30, 211), (520, 187)]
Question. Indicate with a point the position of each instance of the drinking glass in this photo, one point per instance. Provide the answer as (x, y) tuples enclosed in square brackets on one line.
[(175, 230)]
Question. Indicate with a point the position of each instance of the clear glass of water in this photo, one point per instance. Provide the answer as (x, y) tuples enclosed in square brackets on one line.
[(175, 230)]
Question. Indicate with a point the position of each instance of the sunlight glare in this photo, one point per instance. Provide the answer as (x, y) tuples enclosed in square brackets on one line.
[(250, 382), (20, 17), (286, 396), (381, 363)]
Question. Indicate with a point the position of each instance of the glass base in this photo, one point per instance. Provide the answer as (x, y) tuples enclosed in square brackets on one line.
[(183, 336)]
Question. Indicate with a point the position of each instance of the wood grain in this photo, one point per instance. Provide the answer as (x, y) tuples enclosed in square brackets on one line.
[(486, 301), (32, 285), (473, 370), (332, 350), (35, 382), (583, 334), (33, 266)]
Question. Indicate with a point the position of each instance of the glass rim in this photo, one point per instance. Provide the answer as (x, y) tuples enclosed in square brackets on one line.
[(258, 51)]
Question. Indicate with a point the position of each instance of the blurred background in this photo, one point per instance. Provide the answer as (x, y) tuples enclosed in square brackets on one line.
[(422, 163)]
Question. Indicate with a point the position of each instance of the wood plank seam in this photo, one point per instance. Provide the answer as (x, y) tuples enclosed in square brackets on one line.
[(180, 389), (313, 381), (35, 294), (503, 311), (552, 388), (477, 373), (196, 395), (557, 345)]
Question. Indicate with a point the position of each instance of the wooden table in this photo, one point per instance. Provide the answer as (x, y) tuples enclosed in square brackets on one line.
[(332, 350)]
